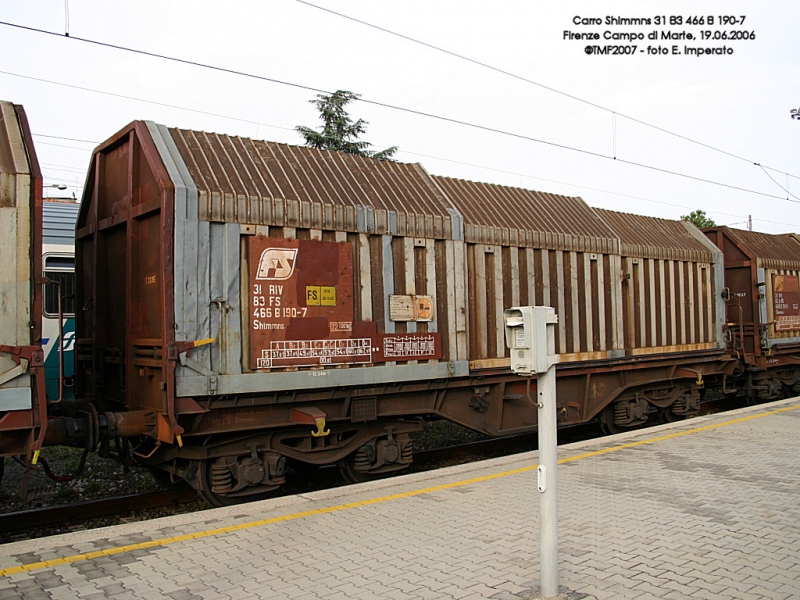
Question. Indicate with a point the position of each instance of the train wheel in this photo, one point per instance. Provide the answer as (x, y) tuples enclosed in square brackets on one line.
[(168, 480), (767, 389), (753, 399), (377, 459), (667, 416), (350, 475), (218, 487), (607, 421)]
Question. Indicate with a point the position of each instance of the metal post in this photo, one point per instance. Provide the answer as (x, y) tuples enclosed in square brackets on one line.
[(530, 334), (548, 481)]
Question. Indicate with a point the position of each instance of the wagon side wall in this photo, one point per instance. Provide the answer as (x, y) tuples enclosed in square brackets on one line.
[(390, 255), (669, 305), (609, 304), (582, 286), (20, 324)]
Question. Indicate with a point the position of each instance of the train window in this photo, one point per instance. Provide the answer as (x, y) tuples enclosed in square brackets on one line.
[(62, 270), (59, 263)]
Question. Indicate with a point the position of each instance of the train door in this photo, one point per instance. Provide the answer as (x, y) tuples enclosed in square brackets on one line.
[(58, 343)]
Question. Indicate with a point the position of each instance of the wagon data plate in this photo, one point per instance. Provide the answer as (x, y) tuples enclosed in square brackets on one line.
[(785, 302), (301, 310)]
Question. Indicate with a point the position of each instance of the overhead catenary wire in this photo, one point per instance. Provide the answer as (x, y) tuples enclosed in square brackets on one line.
[(392, 107), (134, 98), (64, 146), (614, 132), (494, 169), (58, 174), (590, 188), (66, 168), (58, 137), (736, 223), (540, 85), (776, 183)]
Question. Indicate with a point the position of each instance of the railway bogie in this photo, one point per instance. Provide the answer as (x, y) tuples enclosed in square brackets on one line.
[(246, 304)]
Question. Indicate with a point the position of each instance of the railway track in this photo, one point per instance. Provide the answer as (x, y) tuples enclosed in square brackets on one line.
[(69, 513), (81, 514), (84, 512)]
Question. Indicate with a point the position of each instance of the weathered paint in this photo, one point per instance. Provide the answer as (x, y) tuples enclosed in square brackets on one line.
[(172, 237), (753, 260), (16, 266), (23, 401)]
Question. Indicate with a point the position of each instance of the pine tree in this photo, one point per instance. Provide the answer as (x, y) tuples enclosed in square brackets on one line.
[(699, 218), (339, 131)]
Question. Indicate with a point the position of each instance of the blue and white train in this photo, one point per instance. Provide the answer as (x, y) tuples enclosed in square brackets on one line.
[(58, 261)]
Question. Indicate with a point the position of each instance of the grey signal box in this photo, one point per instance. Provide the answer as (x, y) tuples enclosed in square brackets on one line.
[(532, 345)]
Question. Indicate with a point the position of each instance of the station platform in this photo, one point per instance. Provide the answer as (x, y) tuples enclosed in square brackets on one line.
[(703, 508)]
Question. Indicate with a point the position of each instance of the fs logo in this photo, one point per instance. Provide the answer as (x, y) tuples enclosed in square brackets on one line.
[(68, 344), (276, 264)]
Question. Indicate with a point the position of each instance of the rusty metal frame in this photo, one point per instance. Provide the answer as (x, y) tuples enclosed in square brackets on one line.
[(584, 391), (31, 357), (138, 139)]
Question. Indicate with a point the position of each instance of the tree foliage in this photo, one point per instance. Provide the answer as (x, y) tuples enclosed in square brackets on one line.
[(699, 218), (339, 131)]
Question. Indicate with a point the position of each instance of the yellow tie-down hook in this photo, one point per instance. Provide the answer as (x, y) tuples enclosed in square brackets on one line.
[(313, 416), (690, 374), (320, 431)]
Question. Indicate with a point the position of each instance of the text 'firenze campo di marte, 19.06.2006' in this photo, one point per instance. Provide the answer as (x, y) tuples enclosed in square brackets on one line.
[(695, 35)]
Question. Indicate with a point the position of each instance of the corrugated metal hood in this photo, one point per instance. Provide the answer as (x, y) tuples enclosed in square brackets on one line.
[(13, 157), (650, 237), (496, 214), (252, 181), (770, 251)]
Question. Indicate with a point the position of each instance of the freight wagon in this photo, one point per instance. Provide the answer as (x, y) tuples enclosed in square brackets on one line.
[(762, 305), (23, 404), (36, 293), (242, 303)]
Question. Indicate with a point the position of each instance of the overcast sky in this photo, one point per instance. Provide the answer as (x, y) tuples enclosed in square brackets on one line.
[(738, 103)]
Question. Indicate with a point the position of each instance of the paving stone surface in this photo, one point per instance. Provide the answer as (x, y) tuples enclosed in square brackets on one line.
[(713, 513)]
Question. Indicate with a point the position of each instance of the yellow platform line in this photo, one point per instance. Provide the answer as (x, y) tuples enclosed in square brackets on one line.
[(360, 503)]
